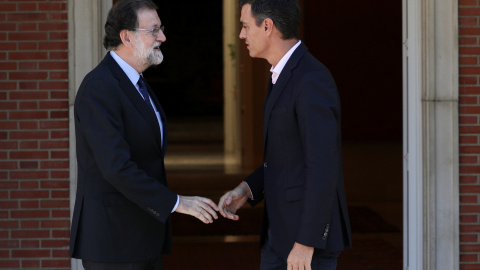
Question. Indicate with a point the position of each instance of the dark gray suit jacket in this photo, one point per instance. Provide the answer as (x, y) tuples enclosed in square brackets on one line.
[(302, 178), (123, 205)]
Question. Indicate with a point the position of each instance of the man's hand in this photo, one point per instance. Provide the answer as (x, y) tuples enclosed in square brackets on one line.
[(233, 200), (201, 208), (300, 257)]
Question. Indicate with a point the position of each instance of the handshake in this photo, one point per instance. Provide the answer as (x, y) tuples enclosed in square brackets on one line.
[(205, 209)]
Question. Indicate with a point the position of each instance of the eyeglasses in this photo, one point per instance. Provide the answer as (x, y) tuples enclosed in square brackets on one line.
[(154, 31)]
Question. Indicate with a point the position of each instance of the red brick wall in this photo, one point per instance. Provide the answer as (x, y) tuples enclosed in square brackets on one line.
[(469, 40), (34, 145)]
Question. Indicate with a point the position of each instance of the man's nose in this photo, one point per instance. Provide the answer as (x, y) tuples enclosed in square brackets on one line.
[(161, 36)]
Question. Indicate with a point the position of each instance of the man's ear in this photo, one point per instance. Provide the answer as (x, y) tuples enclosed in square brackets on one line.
[(268, 24), (126, 37)]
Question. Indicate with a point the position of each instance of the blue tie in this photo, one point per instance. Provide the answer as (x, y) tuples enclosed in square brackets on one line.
[(142, 85)]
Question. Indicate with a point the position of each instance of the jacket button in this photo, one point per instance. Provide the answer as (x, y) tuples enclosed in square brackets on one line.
[(265, 165)]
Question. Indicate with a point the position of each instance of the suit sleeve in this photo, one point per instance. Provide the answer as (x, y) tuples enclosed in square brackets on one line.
[(318, 115), (99, 115), (256, 184)]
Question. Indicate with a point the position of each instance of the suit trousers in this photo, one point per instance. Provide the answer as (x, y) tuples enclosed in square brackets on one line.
[(153, 264), (321, 260)]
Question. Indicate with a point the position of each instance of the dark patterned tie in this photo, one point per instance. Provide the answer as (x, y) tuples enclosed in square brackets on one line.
[(142, 85)]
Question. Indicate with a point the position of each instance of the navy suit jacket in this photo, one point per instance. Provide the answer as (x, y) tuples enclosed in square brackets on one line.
[(123, 205), (301, 179)]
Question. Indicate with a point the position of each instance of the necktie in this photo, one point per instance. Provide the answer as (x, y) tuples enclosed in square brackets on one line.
[(142, 86)]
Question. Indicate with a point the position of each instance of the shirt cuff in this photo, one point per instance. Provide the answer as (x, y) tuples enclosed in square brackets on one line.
[(176, 205), (250, 191)]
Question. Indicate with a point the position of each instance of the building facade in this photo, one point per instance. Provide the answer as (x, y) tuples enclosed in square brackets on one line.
[(46, 47)]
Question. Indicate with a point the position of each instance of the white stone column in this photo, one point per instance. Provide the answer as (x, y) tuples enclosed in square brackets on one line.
[(431, 186), (86, 21)]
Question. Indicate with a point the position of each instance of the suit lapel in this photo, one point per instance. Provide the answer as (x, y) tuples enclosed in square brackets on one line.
[(279, 86), (132, 93)]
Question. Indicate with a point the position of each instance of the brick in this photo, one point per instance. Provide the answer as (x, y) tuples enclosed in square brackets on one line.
[(52, 7), (29, 165), (10, 264), (58, 55), (28, 65), (30, 204), (23, 36), (28, 145), (59, 175), (25, 194), (47, 105), (24, 125), (30, 17), (58, 36), (57, 75), (28, 75), (468, 139), (470, 149), (29, 185), (28, 46), (60, 213), (53, 85), (30, 214), (8, 27), (61, 233), (55, 204), (30, 244), (62, 155), (54, 64), (23, 115), (468, 60), (35, 264), (8, 185), (59, 94), (28, 95), (55, 263), (55, 243), (8, 165), (58, 16), (28, 85), (27, 7), (27, 55), (9, 244), (59, 134), (8, 224), (18, 234), (28, 105), (475, 266), (8, 125), (28, 175), (60, 194), (8, 66), (5, 7), (55, 184), (23, 135), (469, 209), (62, 253), (54, 164), (6, 145), (55, 144), (470, 11), (58, 115), (33, 253), (27, 27), (8, 86), (53, 26), (54, 125), (30, 224), (8, 204)]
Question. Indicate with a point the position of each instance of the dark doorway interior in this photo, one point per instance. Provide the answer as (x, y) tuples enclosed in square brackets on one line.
[(361, 43), (189, 82)]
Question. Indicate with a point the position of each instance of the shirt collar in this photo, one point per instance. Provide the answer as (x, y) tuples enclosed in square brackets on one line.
[(281, 64), (132, 74)]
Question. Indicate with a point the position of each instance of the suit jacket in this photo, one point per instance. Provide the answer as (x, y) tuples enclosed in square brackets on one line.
[(301, 179), (123, 205)]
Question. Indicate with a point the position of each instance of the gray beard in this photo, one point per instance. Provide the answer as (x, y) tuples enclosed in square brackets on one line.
[(147, 56)]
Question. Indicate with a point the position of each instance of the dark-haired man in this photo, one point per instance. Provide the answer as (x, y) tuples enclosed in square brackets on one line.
[(122, 210), (305, 222)]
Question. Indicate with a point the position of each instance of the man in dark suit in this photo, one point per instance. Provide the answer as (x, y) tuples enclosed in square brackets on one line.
[(305, 222), (122, 210)]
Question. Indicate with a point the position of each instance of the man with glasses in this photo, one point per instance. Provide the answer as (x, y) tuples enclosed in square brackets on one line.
[(122, 210), (305, 221)]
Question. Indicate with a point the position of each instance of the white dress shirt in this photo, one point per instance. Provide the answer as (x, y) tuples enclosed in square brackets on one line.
[(277, 70)]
